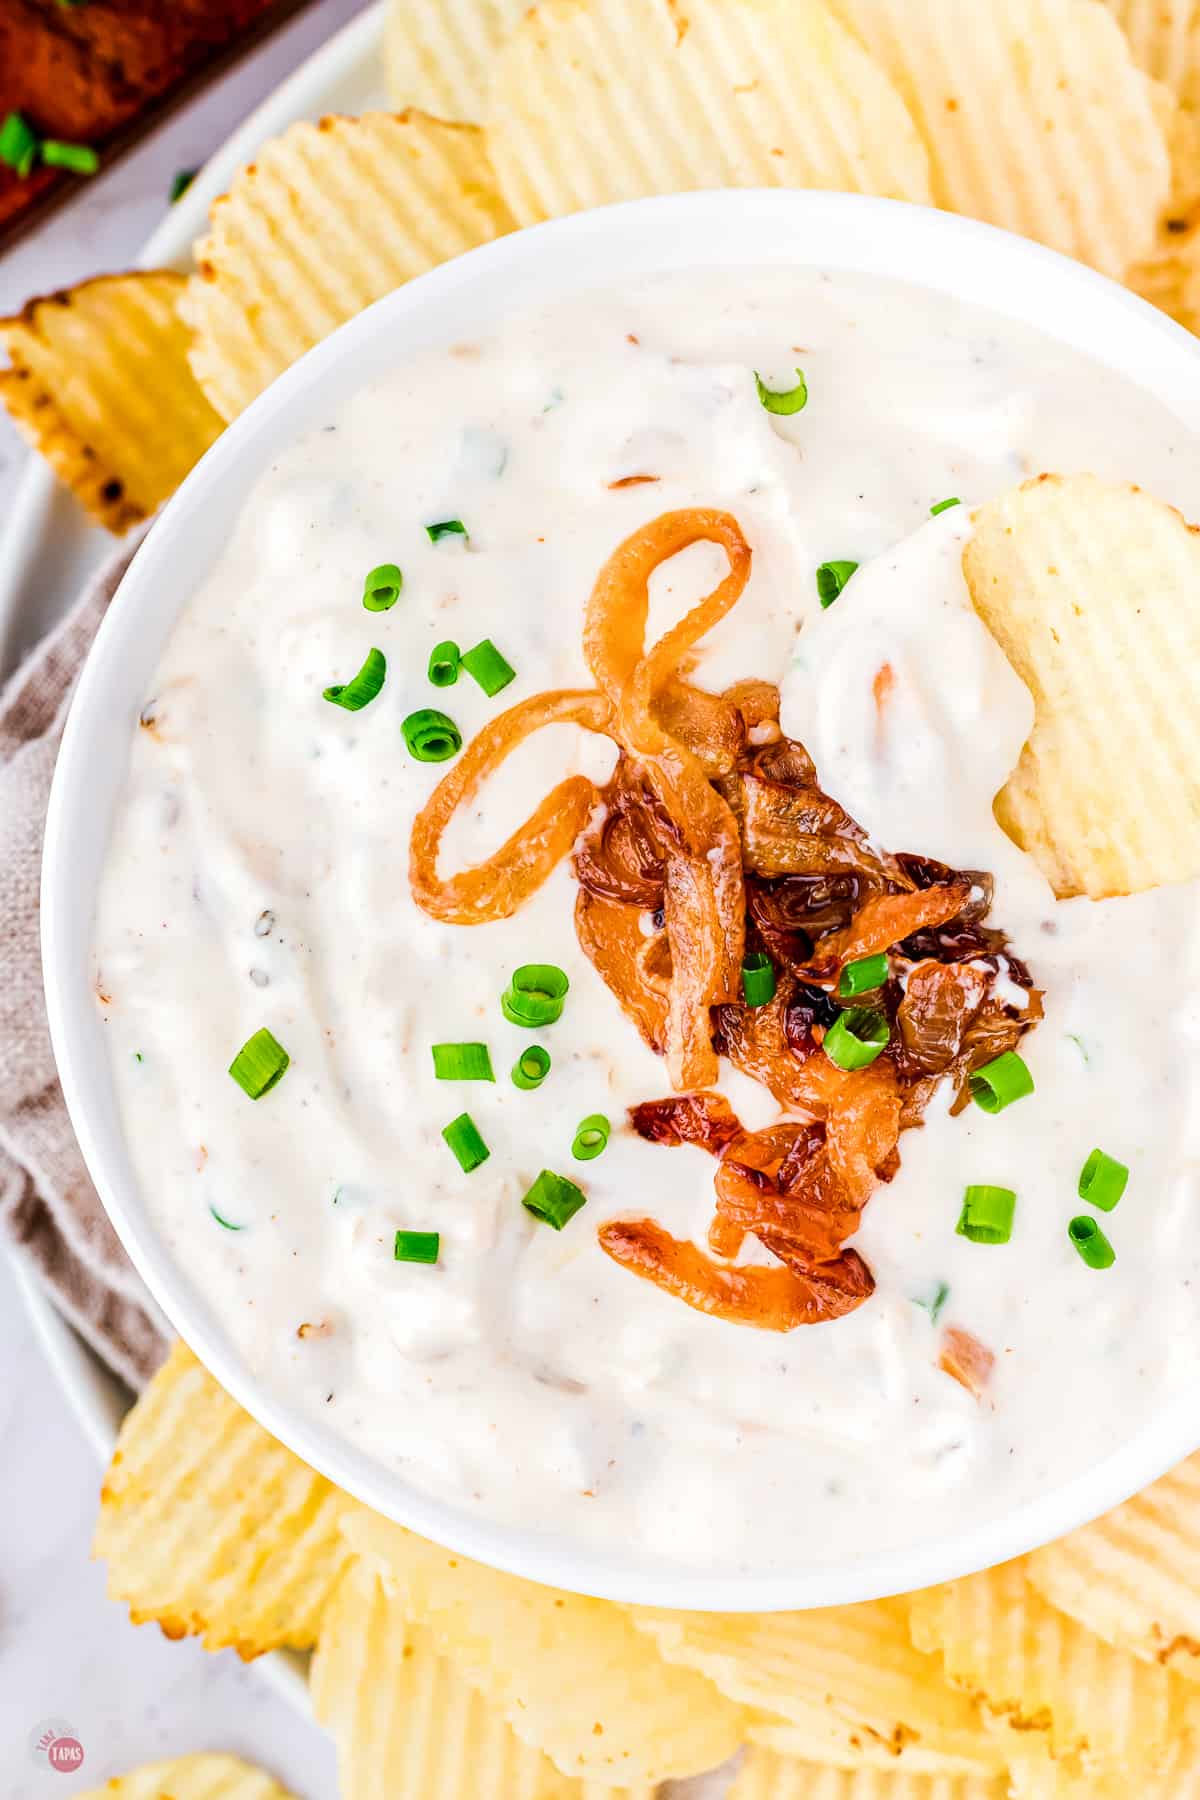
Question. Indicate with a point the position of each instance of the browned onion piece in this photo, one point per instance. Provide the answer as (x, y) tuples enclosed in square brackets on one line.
[(698, 977), (708, 725), (806, 1222), (863, 1126), (800, 831), (940, 1001), (967, 1360), (611, 937), (758, 703), (623, 855), (706, 1120), (771, 1298), (882, 922), (496, 888)]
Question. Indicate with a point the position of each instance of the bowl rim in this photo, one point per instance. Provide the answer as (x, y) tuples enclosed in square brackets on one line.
[(750, 229)]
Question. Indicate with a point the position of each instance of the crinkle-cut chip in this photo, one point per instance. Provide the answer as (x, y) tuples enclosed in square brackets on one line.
[(209, 1776), (99, 382), (437, 54), (811, 1734), (287, 258), (1090, 589), (1170, 278), (570, 1675), (601, 100), (766, 1776), (1035, 115), (1161, 35), (1133, 1577), (858, 1662), (1035, 1775), (1008, 1648), (210, 1527)]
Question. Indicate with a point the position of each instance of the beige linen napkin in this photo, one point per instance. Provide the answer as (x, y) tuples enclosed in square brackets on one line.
[(49, 1209)]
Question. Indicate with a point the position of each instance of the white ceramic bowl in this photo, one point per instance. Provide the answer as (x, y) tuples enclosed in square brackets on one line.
[(750, 230)]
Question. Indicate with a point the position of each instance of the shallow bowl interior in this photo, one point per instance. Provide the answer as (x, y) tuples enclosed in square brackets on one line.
[(750, 230)]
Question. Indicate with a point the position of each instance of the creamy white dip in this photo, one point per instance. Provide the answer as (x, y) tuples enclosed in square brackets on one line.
[(258, 875)]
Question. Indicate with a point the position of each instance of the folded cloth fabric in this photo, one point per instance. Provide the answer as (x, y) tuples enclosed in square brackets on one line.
[(49, 1209)]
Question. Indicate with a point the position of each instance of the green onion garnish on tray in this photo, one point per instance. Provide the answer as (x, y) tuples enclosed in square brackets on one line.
[(462, 1062), (81, 159), (944, 506), (356, 694), (259, 1064), (591, 1137), (181, 181), (431, 736), (553, 1199), (416, 1246), (987, 1215), (831, 579), (758, 978), (446, 528), (998, 1083), (381, 588), (463, 1136), (1091, 1242), (857, 1037), (485, 665), (863, 976), (531, 1068), (18, 144), (535, 995), (786, 400), (1102, 1180), (444, 659)]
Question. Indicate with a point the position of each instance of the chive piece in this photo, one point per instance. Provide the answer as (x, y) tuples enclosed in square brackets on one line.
[(591, 1137), (462, 1135), (462, 1062), (181, 181), (785, 401), (431, 736), (485, 665), (831, 579), (446, 528), (444, 659), (416, 1246), (987, 1215), (18, 144), (138, 1057), (259, 1064), (998, 1083), (381, 588), (944, 506), (856, 1037), (1102, 1180), (1079, 1045), (1091, 1242), (226, 1224), (553, 1199), (758, 978), (535, 995), (933, 1303), (863, 976), (356, 694), (531, 1068), (81, 159)]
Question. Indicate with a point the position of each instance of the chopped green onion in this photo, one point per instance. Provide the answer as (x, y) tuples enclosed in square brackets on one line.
[(831, 579), (226, 1224), (998, 1083), (535, 995), (446, 528), (591, 1137), (444, 659), (462, 1135), (18, 144), (553, 1199), (1102, 1180), (944, 506), (381, 588), (758, 978), (181, 181), (416, 1246), (138, 1057), (987, 1215), (431, 736), (80, 158), (863, 976), (531, 1068), (856, 1037), (462, 1062), (356, 694), (785, 401), (486, 666), (259, 1064), (1079, 1045), (933, 1302), (1091, 1242)]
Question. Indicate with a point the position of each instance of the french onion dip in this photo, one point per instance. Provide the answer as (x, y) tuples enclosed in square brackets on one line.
[(634, 1092)]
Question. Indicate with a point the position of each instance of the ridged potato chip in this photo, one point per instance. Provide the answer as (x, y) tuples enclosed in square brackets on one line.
[(1035, 1775), (814, 1734), (1162, 36), (1090, 589), (570, 1675), (288, 256), (601, 100), (856, 1662), (99, 383), (765, 1776), (437, 54), (209, 1776), (1004, 1645), (210, 1527), (1035, 115)]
